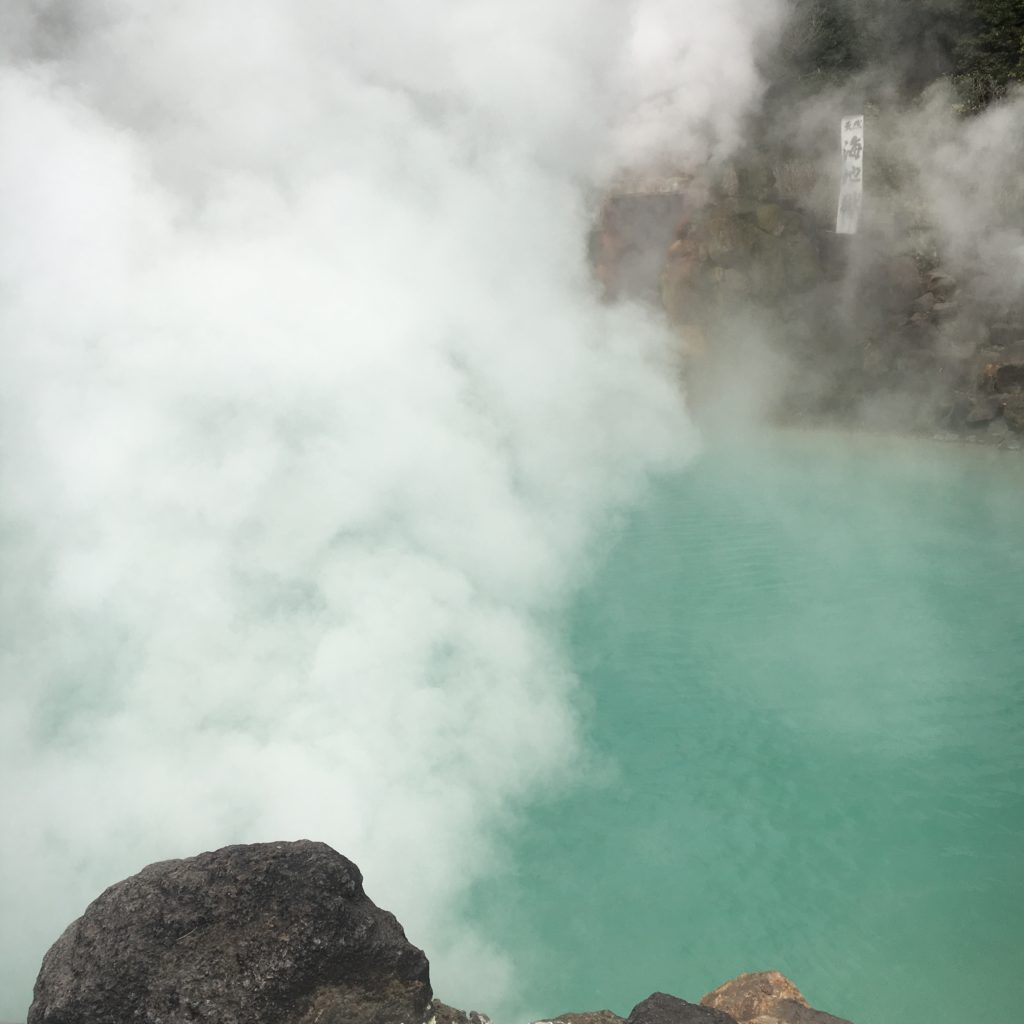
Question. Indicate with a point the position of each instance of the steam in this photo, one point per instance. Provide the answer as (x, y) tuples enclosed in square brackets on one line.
[(970, 177), (933, 171), (311, 414), (943, 195), (682, 64)]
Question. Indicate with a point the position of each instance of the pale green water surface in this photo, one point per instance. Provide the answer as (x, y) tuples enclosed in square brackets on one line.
[(802, 670)]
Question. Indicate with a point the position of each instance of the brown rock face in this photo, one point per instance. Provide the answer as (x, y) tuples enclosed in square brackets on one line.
[(763, 997), (726, 257), (753, 995), (280, 933)]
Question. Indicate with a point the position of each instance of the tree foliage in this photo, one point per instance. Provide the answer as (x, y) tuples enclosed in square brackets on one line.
[(990, 54), (978, 44)]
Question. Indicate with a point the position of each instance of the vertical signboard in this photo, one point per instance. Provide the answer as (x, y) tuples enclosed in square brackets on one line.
[(851, 182)]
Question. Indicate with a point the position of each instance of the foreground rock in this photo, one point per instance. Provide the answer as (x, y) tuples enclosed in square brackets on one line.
[(282, 933), (766, 997), (279, 933), (665, 1009)]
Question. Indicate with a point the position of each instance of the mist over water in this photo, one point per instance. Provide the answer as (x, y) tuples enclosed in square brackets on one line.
[(312, 426), (802, 659), (309, 411)]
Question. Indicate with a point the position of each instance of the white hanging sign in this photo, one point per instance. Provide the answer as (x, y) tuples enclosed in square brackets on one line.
[(851, 182)]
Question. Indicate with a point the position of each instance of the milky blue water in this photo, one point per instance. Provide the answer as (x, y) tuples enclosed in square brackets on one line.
[(802, 683)]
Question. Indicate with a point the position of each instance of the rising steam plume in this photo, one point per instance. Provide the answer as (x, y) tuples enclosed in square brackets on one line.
[(310, 416)]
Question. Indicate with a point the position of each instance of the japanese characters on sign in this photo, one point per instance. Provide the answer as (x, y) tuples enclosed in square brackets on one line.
[(851, 182)]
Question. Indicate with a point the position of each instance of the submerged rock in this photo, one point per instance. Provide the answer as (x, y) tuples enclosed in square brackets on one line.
[(766, 997), (279, 933), (665, 1009)]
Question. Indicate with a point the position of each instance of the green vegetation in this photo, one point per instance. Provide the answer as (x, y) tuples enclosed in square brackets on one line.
[(990, 55), (976, 44)]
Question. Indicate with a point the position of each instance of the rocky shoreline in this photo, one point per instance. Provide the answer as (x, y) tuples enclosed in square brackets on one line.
[(283, 933), (793, 323)]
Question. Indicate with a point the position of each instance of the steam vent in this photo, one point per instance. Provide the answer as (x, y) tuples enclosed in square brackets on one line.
[(870, 330), (283, 933)]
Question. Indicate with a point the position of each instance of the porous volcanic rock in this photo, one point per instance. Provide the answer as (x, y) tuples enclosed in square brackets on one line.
[(766, 996), (279, 933), (660, 1008)]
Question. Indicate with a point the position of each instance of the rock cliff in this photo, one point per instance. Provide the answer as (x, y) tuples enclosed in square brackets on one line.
[(870, 330)]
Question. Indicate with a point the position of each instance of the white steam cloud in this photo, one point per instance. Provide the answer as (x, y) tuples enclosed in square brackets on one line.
[(309, 413)]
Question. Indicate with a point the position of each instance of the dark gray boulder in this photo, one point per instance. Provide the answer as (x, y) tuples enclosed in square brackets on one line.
[(665, 1009), (275, 933)]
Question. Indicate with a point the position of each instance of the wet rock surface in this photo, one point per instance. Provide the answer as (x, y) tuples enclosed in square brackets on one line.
[(280, 933)]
